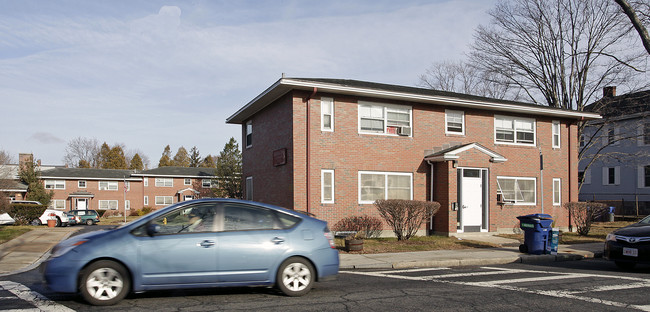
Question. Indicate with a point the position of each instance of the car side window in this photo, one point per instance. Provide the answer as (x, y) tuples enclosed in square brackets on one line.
[(243, 218), (188, 219)]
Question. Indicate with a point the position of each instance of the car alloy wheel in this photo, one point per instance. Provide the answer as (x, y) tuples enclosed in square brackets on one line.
[(295, 277), (104, 283), (36, 222), (58, 221), (89, 222)]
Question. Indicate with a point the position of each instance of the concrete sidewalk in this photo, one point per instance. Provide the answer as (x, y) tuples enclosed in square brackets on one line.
[(28, 250)]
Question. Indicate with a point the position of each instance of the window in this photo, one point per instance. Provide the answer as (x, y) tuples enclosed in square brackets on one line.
[(384, 185), (164, 200), (195, 218), (582, 140), (327, 114), (146, 200), (327, 186), (127, 186), (249, 188), (164, 182), (384, 119), (611, 175), (611, 135), (206, 183), (55, 184), (146, 181), (584, 177), (556, 134), (58, 204), (514, 130), (643, 134), (81, 184), (249, 133), (517, 190), (108, 204), (243, 218), (557, 192), (127, 204), (644, 176), (187, 181), (455, 122), (108, 185)]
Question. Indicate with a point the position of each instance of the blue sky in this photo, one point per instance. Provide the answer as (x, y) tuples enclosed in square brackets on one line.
[(151, 73)]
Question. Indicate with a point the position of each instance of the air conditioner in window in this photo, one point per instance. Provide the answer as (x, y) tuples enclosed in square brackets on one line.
[(404, 131)]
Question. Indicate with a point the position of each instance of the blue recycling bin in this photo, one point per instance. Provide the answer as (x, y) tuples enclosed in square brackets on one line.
[(537, 230)]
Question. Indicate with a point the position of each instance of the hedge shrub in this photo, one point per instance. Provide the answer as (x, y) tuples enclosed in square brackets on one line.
[(25, 213), (370, 226), (406, 216)]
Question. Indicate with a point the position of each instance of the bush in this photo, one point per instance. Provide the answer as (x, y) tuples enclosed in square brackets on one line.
[(111, 213), (141, 212), (25, 213), (370, 226), (406, 216), (584, 213)]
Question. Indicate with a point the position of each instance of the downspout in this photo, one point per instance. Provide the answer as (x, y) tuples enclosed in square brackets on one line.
[(431, 193), (307, 148)]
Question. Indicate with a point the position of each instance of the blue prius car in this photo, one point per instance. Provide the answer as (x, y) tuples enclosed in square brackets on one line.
[(196, 244)]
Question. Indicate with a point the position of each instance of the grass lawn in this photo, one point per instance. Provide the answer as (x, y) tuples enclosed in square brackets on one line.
[(9, 232), (116, 220), (420, 243)]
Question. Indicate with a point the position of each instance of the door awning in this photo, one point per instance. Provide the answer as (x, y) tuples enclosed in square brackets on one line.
[(82, 194), (452, 153)]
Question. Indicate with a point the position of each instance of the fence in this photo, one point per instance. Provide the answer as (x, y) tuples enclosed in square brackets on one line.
[(626, 205)]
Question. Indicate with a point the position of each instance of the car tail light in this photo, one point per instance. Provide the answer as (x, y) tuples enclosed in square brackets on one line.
[(330, 237)]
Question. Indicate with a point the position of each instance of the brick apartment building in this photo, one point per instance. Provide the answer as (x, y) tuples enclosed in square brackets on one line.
[(332, 147), (113, 189)]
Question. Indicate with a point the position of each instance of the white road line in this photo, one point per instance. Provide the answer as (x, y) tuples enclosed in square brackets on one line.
[(413, 270), (612, 287), (38, 300)]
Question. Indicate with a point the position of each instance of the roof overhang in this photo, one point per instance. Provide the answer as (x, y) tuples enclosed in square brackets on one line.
[(284, 85), (187, 189), (453, 153)]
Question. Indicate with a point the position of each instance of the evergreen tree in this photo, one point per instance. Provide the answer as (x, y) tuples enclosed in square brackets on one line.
[(208, 162), (116, 159), (195, 158), (31, 175), (166, 159), (102, 158), (229, 171), (136, 162), (181, 159), (83, 163)]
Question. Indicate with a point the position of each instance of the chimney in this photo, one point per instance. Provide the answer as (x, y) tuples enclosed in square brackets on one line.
[(609, 91)]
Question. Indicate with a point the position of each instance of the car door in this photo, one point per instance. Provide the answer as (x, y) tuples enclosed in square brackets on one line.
[(180, 252), (251, 245)]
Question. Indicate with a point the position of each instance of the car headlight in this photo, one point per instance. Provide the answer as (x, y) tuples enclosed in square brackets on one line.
[(610, 237), (63, 248)]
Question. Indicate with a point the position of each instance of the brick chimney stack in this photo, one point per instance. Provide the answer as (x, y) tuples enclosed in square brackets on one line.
[(609, 91)]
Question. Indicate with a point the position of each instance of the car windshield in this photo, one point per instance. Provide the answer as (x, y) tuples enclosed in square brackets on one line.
[(645, 220)]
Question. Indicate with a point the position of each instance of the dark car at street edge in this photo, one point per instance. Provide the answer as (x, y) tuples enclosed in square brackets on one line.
[(234, 243), (630, 245), (87, 217)]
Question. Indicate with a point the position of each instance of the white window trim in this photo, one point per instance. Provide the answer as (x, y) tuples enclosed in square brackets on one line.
[(117, 204), (322, 188), (617, 176), (557, 201), (246, 133), (462, 116), (385, 107), (514, 120), (127, 184), (641, 177), (617, 133), (641, 134), (386, 174), (55, 201), (146, 200), (556, 131), (164, 200), (110, 186), (145, 181), (185, 181), (521, 178), (249, 188), (162, 182), (85, 184), (127, 204), (203, 182), (587, 176), (326, 101), (54, 184)]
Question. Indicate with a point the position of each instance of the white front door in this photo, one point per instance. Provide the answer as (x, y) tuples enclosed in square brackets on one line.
[(472, 200), (82, 204)]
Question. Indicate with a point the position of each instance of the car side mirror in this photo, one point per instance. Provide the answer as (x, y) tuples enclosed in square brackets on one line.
[(153, 229)]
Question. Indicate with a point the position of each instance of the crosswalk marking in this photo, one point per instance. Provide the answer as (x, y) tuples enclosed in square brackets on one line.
[(509, 284), (39, 301)]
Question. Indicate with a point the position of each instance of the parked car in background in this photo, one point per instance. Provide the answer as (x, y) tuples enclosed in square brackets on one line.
[(629, 245), (6, 219), (87, 217), (196, 244), (59, 216)]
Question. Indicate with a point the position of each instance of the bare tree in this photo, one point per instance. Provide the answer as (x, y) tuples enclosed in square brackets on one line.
[(6, 179), (559, 52), (81, 150), (638, 21)]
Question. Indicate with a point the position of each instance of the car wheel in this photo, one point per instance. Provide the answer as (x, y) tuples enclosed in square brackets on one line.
[(295, 277), (36, 222), (625, 265), (89, 222), (58, 221), (104, 283)]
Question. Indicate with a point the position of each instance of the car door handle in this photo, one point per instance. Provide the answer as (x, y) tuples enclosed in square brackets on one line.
[(277, 240), (206, 244)]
